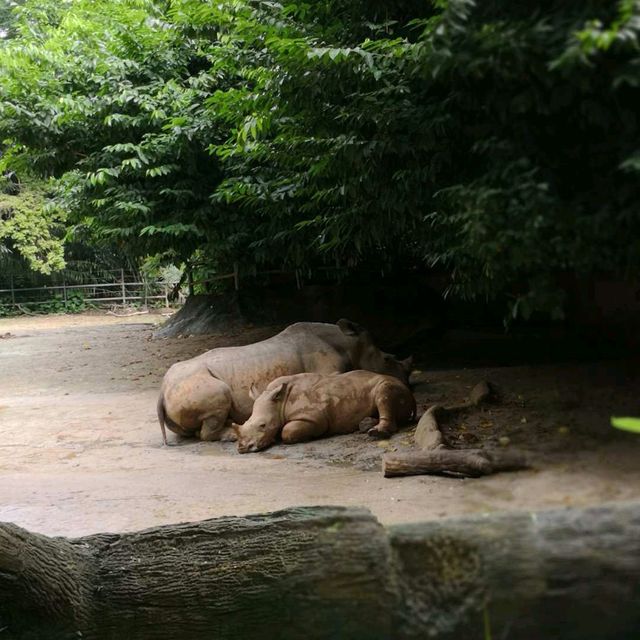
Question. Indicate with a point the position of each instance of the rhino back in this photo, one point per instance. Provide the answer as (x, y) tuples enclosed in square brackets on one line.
[(302, 347), (338, 401)]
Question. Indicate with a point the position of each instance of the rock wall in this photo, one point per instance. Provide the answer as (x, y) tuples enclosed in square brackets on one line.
[(329, 572)]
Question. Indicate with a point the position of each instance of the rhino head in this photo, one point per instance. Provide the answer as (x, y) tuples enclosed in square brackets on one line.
[(266, 420), (365, 354), (400, 369)]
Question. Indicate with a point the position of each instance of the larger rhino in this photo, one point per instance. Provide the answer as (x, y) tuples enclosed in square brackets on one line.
[(202, 396)]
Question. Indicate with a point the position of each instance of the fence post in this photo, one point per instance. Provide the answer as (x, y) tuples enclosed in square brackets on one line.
[(124, 291), (145, 290), (13, 292), (64, 292), (236, 276)]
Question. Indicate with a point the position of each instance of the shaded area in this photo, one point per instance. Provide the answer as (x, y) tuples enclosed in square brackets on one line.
[(394, 310)]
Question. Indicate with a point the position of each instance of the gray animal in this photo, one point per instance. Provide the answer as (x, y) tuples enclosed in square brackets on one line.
[(310, 405), (202, 396)]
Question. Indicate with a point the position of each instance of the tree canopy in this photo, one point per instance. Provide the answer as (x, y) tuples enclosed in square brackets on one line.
[(496, 142)]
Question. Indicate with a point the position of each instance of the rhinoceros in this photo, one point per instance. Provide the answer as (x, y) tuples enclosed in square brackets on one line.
[(202, 396), (310, 405)]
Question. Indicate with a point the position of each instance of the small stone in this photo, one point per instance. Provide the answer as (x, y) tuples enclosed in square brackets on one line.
[(563, 430), (523, 420), (504, 440)]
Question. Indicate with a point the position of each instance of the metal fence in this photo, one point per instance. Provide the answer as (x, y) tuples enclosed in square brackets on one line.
[(116, 287)]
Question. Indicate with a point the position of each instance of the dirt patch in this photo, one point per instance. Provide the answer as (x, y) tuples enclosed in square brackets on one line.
[(80, 446)]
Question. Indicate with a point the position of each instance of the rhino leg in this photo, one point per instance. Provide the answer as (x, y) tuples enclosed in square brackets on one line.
[(301, 431), (215, 428), (217, 423), (228, 434), (386, 402)]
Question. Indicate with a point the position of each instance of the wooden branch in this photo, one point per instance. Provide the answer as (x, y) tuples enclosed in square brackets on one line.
[(427, 435), (470, 462), (435, 458), (25, 311)]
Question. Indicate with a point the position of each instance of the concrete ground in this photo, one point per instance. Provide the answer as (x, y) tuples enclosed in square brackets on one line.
[(81, 450)]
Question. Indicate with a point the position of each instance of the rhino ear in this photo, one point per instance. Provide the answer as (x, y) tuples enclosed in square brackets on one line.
[(253, 391), (278, 393), (407, 364), (236, 428), (349, 328)]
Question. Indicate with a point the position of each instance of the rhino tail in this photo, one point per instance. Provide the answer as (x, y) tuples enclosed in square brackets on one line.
[(162, 418)]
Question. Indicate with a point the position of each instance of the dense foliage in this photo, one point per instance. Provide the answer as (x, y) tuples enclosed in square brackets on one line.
[(496, 142), (30, 229)]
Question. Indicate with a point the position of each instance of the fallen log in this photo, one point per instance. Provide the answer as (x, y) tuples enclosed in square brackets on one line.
[(564, 573), (436, 458), (326, 573), (471, 463), (295, 574)]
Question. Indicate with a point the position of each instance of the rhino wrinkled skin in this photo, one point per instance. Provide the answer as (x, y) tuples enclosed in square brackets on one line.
[(202, 396), (310, 405)]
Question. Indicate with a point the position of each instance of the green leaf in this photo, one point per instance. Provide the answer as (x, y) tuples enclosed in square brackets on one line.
[(626, 424)]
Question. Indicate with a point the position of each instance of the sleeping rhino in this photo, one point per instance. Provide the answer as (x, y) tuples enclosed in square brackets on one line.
[(201, 396), (310, 405)]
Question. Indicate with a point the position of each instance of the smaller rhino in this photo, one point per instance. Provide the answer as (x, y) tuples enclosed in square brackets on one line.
[(305, 406)]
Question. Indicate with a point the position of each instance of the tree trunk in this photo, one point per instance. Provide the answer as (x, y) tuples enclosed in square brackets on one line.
[(570, 574), (331, 573), (308, 573), (471, 463)]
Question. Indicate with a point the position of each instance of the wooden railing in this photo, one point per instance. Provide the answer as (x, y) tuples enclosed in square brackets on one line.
[(126, 289)]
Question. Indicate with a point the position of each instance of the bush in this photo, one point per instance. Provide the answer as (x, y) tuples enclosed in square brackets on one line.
[(497, 142)]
